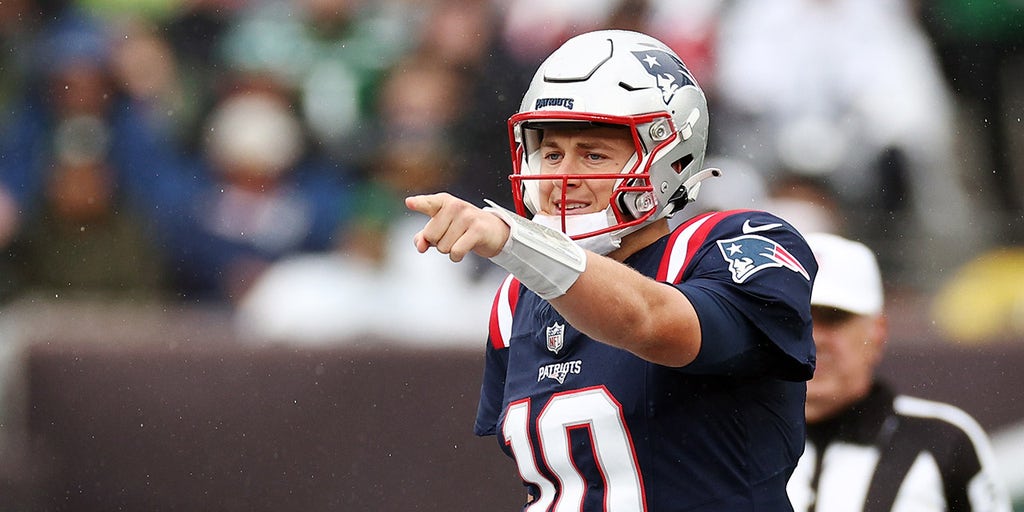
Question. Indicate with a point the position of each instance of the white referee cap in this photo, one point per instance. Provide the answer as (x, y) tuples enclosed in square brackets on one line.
[(848, 276)]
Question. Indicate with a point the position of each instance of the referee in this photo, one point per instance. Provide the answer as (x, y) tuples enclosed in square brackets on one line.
[(868, 448)]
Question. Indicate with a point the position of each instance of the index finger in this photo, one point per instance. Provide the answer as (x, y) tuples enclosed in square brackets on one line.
[(426, 204)]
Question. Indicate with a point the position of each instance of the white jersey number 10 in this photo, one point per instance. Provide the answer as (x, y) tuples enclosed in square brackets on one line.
[(597, 411)]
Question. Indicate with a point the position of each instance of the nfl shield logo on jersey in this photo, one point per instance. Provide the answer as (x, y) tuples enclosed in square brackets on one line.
[(556, 337)]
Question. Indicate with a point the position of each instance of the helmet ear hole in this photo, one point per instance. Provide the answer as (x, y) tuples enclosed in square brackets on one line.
[(680, 197), (679, 165)]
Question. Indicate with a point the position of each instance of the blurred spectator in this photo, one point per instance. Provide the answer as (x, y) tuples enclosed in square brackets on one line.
[(20, 20), (849, 91), (419, 98), (372, 285), (75, 127), (146, 67), (415, 146), (416, 140), (84, 240), (376, 285), (981, 45), (332, 52), (465, 37), (806, 202), (261, 197), (195, 31), (403, 165)]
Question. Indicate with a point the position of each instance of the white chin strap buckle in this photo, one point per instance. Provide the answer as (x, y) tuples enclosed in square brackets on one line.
[(544, 260)]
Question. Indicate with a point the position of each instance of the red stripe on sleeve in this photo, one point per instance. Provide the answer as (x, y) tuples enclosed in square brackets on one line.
[(697, 241), (694, 241), (666, 258), (513, 295), (506, 297)]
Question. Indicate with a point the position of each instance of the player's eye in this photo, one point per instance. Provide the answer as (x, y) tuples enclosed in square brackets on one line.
[(551, 156)]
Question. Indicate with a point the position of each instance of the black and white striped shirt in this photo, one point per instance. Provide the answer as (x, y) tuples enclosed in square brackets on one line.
[(900, 454)]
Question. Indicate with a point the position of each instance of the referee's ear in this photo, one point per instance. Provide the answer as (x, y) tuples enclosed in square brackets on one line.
[(877, 337)]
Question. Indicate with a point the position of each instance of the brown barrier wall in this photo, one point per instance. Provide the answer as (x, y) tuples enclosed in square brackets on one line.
[(275, 429), (224, 427)]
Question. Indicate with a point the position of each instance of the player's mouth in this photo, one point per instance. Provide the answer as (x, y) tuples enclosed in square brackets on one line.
[(571, 207)]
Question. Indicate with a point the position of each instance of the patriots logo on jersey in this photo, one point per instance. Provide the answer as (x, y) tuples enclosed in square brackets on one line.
[(668, 71), (559, 371), (749, 254)]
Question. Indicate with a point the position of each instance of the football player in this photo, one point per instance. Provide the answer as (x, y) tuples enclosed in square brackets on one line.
[(631, 366)]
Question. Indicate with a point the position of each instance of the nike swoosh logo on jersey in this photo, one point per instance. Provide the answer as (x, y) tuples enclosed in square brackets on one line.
[(748, 229)]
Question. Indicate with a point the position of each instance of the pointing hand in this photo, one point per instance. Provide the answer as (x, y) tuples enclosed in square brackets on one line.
[(457, 227)]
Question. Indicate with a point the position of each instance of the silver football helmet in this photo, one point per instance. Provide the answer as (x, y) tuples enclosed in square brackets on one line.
[(616, 77)]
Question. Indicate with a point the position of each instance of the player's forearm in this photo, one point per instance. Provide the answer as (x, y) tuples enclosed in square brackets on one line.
[(614, 304)]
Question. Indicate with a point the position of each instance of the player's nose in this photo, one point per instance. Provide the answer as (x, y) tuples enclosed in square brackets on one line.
[(568, 174)]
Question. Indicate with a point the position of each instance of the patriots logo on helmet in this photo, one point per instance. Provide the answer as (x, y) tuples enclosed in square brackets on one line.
[(749, 254), (668, 71)]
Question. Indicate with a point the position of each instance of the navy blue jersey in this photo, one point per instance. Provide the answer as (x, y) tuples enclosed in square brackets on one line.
[(595, 428)]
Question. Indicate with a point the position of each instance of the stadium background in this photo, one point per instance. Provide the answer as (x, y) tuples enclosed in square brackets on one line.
[(163, 354)]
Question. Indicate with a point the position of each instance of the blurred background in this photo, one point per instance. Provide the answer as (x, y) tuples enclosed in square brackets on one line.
[(209, 296)]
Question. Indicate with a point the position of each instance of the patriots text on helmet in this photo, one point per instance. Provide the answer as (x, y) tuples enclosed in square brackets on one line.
[(565, 103)]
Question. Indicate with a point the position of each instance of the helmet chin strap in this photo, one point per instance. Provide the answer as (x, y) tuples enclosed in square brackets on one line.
[(689, 189), (692, 184), (584, 223)]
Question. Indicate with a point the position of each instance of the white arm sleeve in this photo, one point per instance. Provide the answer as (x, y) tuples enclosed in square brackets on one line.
[(544, 260)]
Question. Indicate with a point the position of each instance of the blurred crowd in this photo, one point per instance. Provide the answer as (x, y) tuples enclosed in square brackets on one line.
[(253, 154)]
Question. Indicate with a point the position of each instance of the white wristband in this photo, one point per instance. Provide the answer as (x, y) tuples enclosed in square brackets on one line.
[(545, 260)]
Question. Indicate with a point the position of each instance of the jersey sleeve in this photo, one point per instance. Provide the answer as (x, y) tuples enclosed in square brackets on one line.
[(748, 275), (492, 389)]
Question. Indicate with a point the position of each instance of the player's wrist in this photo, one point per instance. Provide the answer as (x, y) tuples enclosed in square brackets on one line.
[(544, 260)]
